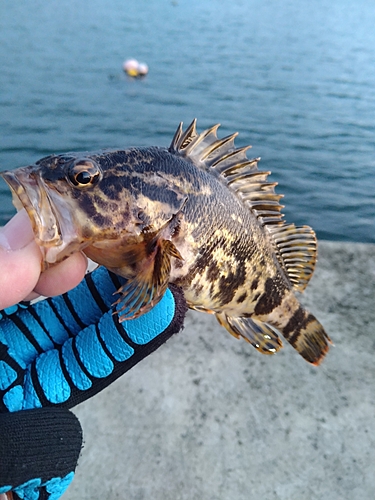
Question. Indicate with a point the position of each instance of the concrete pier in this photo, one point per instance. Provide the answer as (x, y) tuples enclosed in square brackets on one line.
[(206, 417)]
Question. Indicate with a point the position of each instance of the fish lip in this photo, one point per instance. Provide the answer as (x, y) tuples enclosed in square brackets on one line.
[(28, 192)]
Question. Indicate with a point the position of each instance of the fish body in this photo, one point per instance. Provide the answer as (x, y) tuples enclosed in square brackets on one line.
[(199, 214)]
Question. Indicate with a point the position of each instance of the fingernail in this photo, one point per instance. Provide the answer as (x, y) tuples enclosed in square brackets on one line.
[(17, 233)]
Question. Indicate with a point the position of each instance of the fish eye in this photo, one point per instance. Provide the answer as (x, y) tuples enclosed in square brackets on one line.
[(84, 173)]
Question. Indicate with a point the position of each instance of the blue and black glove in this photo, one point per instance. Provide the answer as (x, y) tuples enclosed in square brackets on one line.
[(55, 354)]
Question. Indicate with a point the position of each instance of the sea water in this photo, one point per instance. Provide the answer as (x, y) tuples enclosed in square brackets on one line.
[(295, 78)]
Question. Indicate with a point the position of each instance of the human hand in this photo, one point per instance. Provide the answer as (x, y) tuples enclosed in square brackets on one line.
[(55, 354), (20, 261)]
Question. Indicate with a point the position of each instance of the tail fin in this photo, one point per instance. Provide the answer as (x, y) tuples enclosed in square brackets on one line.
[(304, 332)]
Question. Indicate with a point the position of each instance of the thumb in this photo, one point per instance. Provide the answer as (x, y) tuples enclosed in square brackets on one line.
[(20, 260)]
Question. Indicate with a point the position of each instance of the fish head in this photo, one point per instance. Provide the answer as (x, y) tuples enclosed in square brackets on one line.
[(92, 202), (64, 198)]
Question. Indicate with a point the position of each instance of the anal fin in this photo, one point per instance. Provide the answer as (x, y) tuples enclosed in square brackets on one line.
[(260, 335)]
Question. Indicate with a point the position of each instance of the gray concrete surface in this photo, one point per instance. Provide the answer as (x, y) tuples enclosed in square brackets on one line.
[(206, 417)]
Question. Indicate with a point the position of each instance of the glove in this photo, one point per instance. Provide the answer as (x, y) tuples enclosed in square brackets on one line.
[(55, 354)]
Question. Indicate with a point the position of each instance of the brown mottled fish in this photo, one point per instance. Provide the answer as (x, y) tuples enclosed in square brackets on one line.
[(198, 214)]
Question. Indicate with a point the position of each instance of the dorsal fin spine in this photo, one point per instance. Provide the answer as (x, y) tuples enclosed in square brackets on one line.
[(218, 144), (188, 136), (198, 143), (231, 171), (232, 154), (295, 247), (176, 138)]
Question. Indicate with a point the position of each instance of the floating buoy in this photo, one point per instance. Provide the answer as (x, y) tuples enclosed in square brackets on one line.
[(134, 68), (143, 69)]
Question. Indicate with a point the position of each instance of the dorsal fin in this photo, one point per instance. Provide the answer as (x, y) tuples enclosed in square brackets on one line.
[(236, 170), (296, 252), (295, 246)]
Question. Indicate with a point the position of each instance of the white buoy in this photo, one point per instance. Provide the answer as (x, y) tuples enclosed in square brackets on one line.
[(142, 69), (134, 68)]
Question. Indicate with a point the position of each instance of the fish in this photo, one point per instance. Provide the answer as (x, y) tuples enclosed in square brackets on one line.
[(199, 214)]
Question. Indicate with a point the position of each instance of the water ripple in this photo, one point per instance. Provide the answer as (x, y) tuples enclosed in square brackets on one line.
[(296, 83)]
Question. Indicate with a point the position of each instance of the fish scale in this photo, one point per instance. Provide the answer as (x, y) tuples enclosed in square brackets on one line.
[(230, 244), (199, 214)]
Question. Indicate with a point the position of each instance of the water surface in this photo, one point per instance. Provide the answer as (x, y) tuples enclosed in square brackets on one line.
[(296, 79)]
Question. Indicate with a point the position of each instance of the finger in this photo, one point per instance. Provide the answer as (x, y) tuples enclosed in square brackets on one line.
[(20, 260), (31, 296), (62, 277), (20, 272)]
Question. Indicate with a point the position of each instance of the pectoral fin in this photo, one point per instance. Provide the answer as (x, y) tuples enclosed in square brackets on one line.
[(260, 335), (144, 290)]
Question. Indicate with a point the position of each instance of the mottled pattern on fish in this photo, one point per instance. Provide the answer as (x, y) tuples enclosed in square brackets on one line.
[(199, 214)]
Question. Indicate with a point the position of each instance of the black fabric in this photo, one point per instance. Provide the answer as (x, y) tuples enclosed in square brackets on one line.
[(40, 443)]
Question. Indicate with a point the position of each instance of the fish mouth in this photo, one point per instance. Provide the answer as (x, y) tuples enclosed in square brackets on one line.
[(49, 218)]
